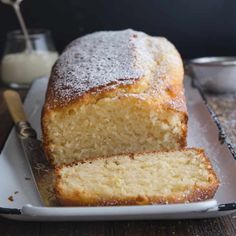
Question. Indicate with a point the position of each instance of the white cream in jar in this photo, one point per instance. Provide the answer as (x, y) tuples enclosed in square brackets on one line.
[(25, 66)]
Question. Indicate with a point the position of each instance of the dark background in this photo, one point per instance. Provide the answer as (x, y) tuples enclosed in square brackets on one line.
[(196, 27)]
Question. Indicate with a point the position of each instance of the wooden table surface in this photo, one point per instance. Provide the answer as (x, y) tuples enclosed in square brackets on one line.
[(206, 227)]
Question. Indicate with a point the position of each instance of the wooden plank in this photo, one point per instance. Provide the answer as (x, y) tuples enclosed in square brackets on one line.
[(77, 228), (18, 228), (206, 227)]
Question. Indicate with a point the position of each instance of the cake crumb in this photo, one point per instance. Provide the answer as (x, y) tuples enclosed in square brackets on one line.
[(10, 198), (16, 192), (27, 178)]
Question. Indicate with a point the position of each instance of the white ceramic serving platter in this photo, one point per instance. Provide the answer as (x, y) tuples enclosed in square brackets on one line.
[(203, 132)]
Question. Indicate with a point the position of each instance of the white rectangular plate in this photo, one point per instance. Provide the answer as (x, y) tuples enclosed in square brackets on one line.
[(202, 132)]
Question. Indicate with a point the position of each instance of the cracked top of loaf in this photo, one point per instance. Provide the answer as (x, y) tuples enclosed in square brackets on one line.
[(117, 63)]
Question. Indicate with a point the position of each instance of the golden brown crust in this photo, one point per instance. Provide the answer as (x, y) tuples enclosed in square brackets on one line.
[(198, 193), (195, 196), (165, 75)]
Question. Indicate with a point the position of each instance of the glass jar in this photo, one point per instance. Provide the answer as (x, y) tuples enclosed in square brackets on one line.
[(19, 65)]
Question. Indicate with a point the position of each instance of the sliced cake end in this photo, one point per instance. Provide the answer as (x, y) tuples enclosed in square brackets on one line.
[(138, 179)]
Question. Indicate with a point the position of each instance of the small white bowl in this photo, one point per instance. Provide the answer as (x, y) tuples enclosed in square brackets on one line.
[(215, 74)]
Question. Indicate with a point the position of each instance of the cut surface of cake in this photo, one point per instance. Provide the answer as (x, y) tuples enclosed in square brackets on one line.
[(114, 92), (138, 179)]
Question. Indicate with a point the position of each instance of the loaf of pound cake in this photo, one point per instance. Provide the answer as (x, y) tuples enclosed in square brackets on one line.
[(138, 179), (111, 93)]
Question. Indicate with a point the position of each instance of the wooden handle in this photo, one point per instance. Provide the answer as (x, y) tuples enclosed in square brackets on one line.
[(14, 105)]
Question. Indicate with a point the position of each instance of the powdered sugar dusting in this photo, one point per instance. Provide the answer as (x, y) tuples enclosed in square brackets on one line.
[(97, 60), (108, 59)]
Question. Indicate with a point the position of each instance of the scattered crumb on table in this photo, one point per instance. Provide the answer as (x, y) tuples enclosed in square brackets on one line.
[(16, 192), (10, 198), (27, 178)]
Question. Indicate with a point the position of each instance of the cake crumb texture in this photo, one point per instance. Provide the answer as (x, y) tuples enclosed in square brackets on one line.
[(138, 179)]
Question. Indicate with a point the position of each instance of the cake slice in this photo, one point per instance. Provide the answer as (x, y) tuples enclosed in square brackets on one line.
[(138, 179), (114, 92)]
